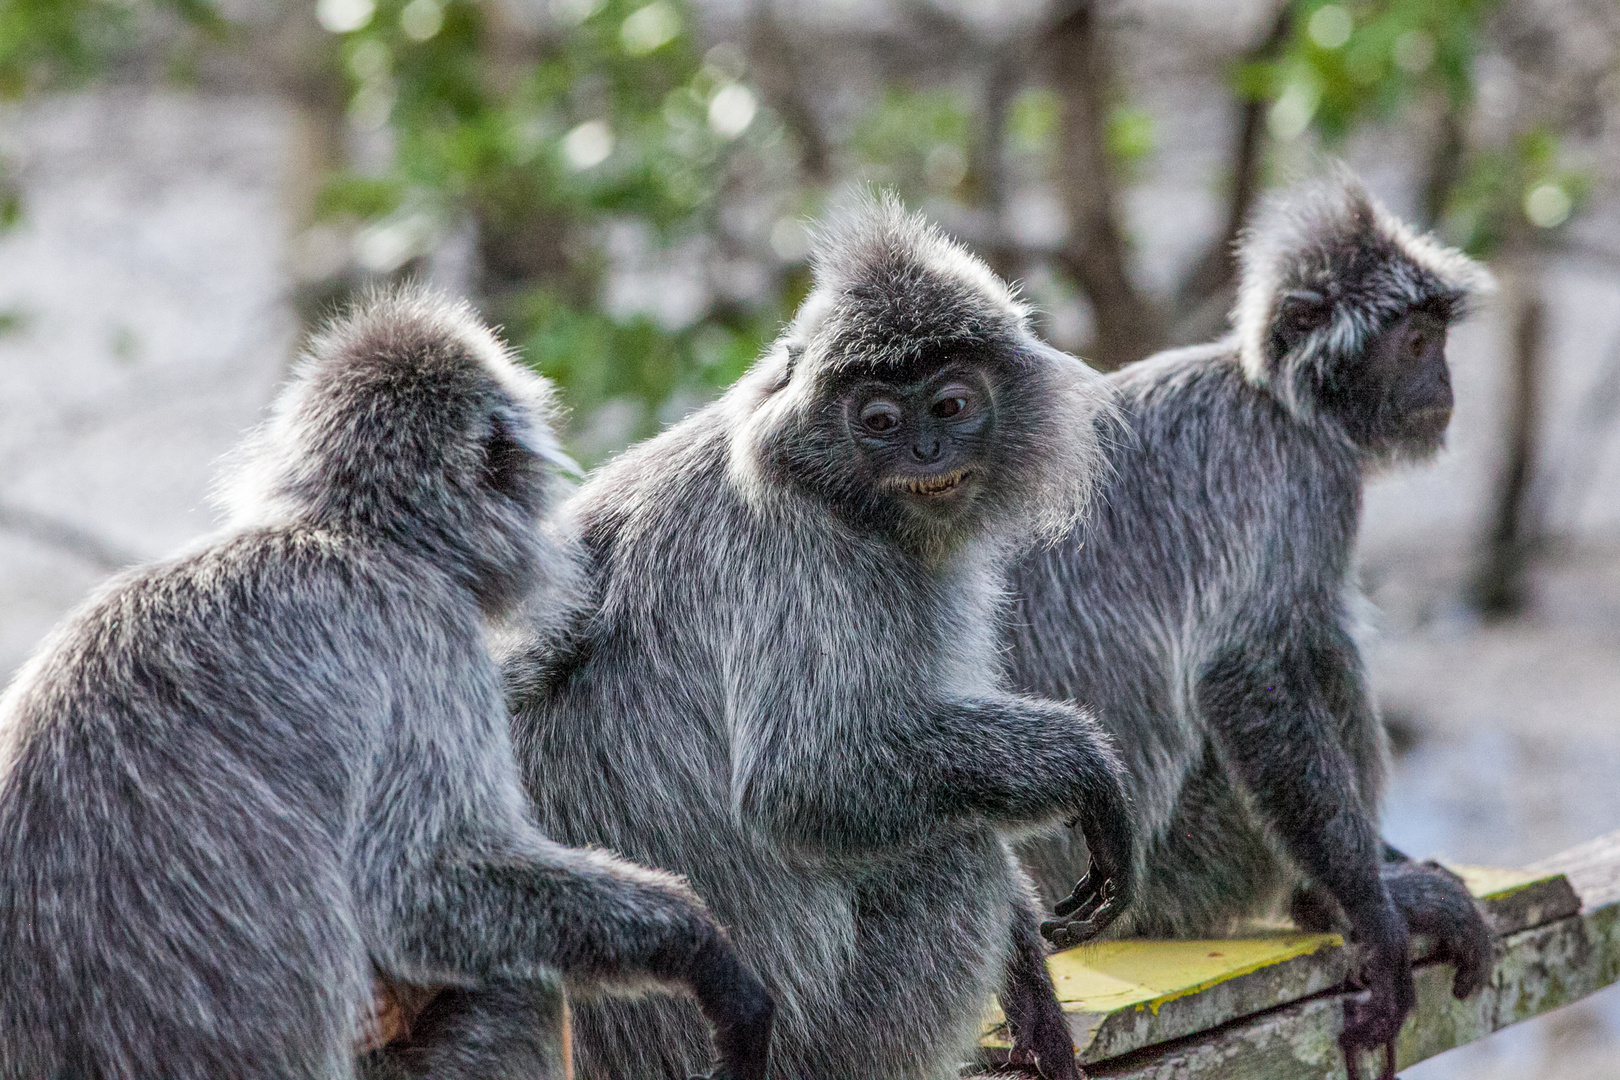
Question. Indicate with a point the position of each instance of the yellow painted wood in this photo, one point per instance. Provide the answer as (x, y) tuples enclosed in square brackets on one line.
[(1112, 975)]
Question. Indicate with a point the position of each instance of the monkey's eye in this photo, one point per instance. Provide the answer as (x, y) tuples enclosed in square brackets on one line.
[(880, 417), (1417, 344), (948, 407)]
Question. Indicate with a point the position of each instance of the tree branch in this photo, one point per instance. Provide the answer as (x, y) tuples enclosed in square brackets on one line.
[(1445, 164), (65, 537)]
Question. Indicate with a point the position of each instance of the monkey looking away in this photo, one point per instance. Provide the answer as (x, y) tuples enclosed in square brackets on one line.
[(1207, 613), (236, 784), (786, 684)]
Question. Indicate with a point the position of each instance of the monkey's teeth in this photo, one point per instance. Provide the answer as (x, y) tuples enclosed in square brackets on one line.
[(935, 485)]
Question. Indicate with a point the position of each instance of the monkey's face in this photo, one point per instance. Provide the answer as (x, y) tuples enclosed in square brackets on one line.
[(1398, 397), (922, 443)]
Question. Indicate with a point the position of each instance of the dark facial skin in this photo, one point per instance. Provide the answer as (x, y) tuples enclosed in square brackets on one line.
[(1401, 395), (923, 442)]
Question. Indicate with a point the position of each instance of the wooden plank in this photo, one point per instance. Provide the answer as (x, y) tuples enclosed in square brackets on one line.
[(1540, 969), (1593, 868), (1122, 996), (1516, 900), (1270, 1006)]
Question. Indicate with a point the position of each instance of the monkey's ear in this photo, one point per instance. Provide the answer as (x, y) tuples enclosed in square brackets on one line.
[(1300, 312), (509, 464), (793, 354)]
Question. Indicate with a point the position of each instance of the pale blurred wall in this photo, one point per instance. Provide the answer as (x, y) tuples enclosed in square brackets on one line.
[(146, 281)]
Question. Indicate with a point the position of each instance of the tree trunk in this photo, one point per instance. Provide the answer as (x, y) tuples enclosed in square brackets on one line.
[(1128, 325), (1500, 588)]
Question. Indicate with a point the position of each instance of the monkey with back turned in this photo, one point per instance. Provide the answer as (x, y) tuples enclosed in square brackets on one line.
[(785, 683), (236, 784), (1207, 612)]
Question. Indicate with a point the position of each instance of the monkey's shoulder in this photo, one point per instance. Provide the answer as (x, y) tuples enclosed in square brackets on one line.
[(1194, 414), (258, 598)]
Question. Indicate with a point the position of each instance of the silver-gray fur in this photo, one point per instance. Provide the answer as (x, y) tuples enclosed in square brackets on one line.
[(237, 784), (786, 683), (1208, 612)]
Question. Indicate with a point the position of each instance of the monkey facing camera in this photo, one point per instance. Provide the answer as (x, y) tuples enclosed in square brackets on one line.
[(784, 683), (237, 784), (1208, 614)]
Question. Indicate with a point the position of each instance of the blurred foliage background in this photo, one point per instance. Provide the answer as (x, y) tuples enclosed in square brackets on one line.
[(625, 186)]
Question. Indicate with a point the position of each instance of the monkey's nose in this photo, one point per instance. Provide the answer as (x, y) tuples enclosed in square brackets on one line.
[(926, 450)]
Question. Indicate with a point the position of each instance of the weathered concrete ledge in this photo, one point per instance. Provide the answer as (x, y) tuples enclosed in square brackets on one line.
[(1272, 1006)]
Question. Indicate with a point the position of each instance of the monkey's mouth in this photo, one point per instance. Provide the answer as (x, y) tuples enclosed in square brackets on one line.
[(933, 486), (1429, 423)]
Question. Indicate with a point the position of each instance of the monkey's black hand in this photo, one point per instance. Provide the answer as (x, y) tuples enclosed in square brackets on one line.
[(739, 1009), (1374, 1017), (1109, 883), (1435, 902), (1085, 912)]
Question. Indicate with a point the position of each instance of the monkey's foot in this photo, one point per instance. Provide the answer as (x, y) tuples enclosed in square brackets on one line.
[(1352, 1065), (1047, 1054), (1434, 901)]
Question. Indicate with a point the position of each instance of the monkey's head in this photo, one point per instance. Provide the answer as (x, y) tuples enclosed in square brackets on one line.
[(409, 423), (912, 399), (1343, 311)]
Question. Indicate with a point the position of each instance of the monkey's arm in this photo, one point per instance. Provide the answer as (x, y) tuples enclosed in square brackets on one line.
[(1267, 710), (530, 906), (893, 777)]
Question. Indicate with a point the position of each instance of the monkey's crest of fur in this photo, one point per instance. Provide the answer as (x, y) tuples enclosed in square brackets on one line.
[(1335, 247), (890, 287), (895, 297), (394, 427)]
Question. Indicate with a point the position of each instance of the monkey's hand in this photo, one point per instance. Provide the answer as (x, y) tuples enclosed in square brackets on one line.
[(1436, 903), (1373, 1018), (1110, 881), (1085, 912), (739, 1009)]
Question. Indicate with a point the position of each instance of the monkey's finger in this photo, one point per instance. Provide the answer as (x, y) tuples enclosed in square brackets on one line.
[(1065, 934), (1057, 932), (1104, 915), (1471, 978), (1081, 893), (1082, 909)]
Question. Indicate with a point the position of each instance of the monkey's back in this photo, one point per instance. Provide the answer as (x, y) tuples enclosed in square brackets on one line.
[(877, 966), (1221, 514), (181, 785)]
